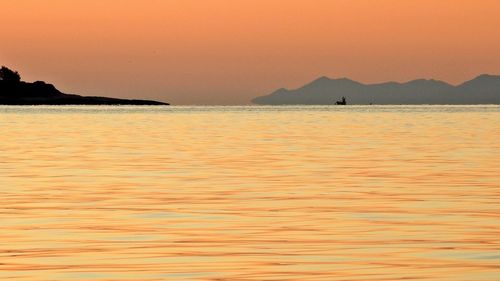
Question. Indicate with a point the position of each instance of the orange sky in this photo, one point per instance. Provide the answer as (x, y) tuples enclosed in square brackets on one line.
[(228, 51)]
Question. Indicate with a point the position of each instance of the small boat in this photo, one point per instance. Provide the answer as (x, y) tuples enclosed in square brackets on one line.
[(342, 102)]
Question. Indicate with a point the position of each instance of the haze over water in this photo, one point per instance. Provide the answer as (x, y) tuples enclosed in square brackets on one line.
[(250, 193)]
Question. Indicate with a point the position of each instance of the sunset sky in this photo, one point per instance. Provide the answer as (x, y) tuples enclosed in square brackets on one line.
[(229, 51)]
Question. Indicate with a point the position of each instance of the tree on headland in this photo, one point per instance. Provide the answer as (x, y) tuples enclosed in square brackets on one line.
[(8, 75)]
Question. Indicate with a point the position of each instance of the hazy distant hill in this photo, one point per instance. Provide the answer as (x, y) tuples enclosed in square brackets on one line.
[(484, 89)]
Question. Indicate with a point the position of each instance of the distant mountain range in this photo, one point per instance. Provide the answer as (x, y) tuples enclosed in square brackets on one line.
[(484, 89)]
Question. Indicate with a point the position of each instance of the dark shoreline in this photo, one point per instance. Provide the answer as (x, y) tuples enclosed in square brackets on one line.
[(77, 100), (41, 93)]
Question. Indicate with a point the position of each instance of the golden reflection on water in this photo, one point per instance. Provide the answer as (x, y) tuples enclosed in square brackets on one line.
[(250, 193)]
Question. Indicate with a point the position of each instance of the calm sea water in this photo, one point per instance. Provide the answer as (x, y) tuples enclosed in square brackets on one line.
[(250, 193)]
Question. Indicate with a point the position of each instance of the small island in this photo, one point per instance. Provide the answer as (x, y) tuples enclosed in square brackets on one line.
[(14, 91)]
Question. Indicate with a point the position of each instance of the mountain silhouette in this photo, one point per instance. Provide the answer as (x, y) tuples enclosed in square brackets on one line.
[(484, 89), (13, 91)]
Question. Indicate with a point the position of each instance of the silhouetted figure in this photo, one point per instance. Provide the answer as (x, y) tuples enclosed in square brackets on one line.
[(342, 102)]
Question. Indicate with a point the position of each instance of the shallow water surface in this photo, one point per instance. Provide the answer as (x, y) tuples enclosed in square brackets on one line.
[(250, 193)]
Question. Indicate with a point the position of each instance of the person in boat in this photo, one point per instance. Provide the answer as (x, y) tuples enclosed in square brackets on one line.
[(343, 102)]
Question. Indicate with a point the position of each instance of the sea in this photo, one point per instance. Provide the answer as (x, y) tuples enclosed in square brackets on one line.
[(250, 193)]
